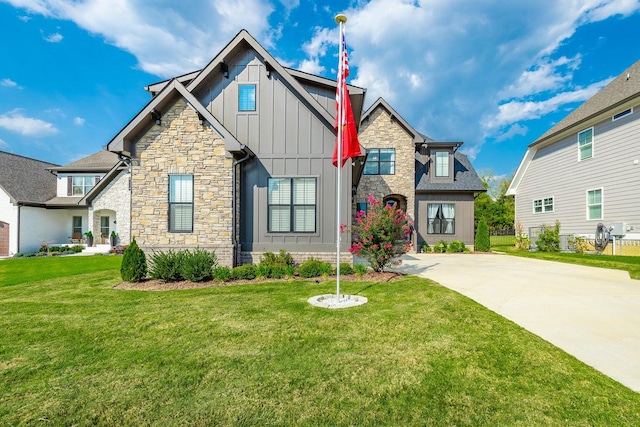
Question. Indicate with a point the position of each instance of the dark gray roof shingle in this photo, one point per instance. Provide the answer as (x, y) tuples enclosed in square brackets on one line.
[(26, 180), (465, 177), (102, 161)]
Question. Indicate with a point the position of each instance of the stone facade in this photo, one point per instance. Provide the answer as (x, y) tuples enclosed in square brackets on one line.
[(382, 131), (181, 145), (113, 201)]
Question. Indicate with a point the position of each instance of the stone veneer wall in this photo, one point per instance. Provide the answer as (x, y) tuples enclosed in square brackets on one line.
[(380, 131), (180, 145), (115, 197)]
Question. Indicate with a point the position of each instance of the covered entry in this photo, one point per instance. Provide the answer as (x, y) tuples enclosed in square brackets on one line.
[(4, 239)]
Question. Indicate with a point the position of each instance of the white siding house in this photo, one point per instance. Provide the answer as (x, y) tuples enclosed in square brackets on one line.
[(586, 169)]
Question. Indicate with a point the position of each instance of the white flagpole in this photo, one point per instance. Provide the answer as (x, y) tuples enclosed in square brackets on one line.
[(340, 19)]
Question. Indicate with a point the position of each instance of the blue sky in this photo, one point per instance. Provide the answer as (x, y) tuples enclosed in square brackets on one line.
[(495, 75)]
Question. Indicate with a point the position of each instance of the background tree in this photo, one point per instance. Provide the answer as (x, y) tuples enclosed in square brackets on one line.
[(495, 206)]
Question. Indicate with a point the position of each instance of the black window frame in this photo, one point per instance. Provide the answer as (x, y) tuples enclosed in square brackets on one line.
[(374, 158), (172, 204), (440, 221), (292, 206)]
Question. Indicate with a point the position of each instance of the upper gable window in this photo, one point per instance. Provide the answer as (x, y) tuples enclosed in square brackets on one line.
[(585, 144), (442, 163), (622, 114), (80, 185), (380, 161), (247, 97)]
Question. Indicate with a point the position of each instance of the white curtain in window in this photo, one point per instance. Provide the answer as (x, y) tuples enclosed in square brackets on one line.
[(432, 211), (304, 191), (448, 212), (304, 219), (279, 191), (280, 218)]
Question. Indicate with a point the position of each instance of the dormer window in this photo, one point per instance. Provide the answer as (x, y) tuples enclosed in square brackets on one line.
[(80, 185), (247, 97), (442, 163)]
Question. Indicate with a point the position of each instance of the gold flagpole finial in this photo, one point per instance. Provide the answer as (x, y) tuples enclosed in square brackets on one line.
[(341, 18)]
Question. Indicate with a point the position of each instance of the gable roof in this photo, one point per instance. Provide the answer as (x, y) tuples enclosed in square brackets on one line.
[(102, 161), (121, 143), (418, 137), (622, 92), (26, 180), (465, 177), (622, 89)]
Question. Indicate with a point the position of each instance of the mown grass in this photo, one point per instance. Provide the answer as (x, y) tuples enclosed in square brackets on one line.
[(617, 262), (74, 351)]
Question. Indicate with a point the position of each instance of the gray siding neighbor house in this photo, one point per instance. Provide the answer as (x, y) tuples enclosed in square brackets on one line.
[(430, 180), (236, 158), (586, 169)]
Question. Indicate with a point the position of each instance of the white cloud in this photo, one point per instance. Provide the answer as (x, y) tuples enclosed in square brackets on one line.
[(311, 66), (16, 122), (53, 38), (78, 121), (3, 144), (514, 130), (9, 83)]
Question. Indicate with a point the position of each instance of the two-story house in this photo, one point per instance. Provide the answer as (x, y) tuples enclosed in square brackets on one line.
[(431, 181), (585, 170), (236, 158)]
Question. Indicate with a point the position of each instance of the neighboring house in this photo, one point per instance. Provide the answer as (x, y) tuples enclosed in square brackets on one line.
[(586, 169), (236, 157), (431, 181), (43, 203)]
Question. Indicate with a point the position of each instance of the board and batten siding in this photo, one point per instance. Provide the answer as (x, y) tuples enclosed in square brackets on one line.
[(555, 171), (290, 139), (464, 229)]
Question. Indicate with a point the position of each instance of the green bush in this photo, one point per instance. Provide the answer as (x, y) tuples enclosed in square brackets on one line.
[(134, 263), (222, 274), (456, 246), (166, 266), (198, 265), (276, 266), (360, 269), (77, 248), (425, 248), (282, 258), (440, 247), (247, 272), (482, 242), (346, 268), (549, 238), (314, 268)]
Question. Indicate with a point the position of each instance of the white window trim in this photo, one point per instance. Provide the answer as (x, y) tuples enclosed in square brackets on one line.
[(593, 143), (586, 195), (622, 114), (541, 200)]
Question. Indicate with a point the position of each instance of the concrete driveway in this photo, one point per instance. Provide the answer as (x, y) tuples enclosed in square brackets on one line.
[(591, 313)]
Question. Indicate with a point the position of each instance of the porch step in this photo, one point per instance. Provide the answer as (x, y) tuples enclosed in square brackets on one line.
[(97, 249)]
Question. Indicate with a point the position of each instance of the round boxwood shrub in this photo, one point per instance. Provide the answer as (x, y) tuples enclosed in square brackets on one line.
[(222, 274), (246, 272), (134, 264), (314, 268)]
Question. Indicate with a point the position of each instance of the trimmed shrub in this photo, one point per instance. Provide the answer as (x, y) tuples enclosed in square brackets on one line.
[(198, 265), (346, 268), (425, 248), (282, 258), (314, 268), (247, 272), (482, 242), (222, 274), (166, 266), (276, 266), (440, 247), (360, 269), (549, 238), (134, 263), (456, 246)]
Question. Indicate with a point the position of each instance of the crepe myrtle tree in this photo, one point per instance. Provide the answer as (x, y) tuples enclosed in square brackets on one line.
[(381, 234)]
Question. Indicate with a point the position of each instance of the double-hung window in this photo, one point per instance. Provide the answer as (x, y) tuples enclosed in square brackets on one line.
[(180, 203), (292, 205), (441, 218), (247, 97), (543, 205), (585, 144), (594, 204), (380, 161), (82, 184), (442, 163), (76, 225)]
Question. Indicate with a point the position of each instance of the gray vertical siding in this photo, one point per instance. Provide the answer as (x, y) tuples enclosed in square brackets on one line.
[(556, 172), (464, 208), (289, 139)]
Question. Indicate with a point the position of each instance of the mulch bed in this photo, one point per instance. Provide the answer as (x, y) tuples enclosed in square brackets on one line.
[(159, 285)]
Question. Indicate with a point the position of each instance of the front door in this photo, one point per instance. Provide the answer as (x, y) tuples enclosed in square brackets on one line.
[(104, 229)]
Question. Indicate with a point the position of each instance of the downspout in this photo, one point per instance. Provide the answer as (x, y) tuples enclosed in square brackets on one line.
[(18, 245), (234, 240)]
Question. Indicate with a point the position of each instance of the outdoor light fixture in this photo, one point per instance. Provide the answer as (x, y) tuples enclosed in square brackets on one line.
[(156, 116), (225, 70), (268, 68), (201, 119)]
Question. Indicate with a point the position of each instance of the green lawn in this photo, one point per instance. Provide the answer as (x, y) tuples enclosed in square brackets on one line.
[(74, 351), (617, 262)]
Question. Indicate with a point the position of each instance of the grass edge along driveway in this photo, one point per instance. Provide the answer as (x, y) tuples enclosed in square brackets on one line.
[(76, 352)]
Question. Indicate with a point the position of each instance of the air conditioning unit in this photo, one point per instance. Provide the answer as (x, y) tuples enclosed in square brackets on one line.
[(618, 229)]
